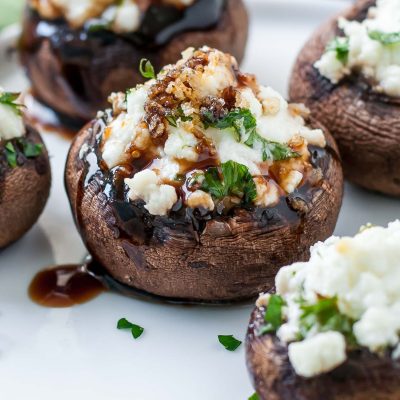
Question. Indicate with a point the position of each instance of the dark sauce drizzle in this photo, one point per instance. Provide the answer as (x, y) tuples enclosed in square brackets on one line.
[(160, 24)]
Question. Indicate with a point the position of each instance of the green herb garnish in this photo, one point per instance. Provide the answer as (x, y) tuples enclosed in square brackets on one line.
[(254, 396), (31, 150), (270, 150), (244, 124), (326, 316), (340, 45), (229, 342), (385, 38), (273, 316), (9, 99), (136, 330), (241, 120), (147, 69), (233, 179), (11, 155), (176, 115)]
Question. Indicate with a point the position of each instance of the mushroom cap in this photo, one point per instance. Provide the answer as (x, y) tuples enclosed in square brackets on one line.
[(363, 376), (23, 193), (74, 75), (365, 124), (183, 257)]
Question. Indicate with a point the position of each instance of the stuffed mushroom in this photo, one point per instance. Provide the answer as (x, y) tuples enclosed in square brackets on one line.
[(348, 74), (331, 330), (200, 184), (24, 171), (77, 53)]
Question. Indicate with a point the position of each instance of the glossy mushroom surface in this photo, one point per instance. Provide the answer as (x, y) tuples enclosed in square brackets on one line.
[(73, 70), (201, 183), (364, 123)]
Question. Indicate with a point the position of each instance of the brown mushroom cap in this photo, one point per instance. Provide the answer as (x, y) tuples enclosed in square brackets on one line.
[(23, 193), (74, 76), (365, 124), (363, 376), (187, 258)]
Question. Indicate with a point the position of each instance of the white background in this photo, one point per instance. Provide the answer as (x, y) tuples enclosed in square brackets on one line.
[(78, 352)]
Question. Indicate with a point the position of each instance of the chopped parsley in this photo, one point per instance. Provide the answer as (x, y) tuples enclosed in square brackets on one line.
[(136, 330), (244, 124), (176, 115), (340, 45), (233, 179), (146, 69), (273, 316), (385, 38), (9, 99), (254, 396), (30, 150), (229, 342), (270, 150), (11, 155), (326, 316), (241, 120)]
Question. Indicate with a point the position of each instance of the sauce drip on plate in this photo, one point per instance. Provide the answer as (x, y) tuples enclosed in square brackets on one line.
[(65, 286)]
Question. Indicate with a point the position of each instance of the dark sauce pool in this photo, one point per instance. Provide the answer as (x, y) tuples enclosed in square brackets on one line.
[(66, 285)]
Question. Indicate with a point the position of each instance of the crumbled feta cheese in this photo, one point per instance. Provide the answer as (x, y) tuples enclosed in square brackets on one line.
[(362, 273), (377, 328), (200, 199), (127, 17), (292, 181), (159, 198), (181, 145), (229, 148), (374, 59), (11, 123), (281, 125), (319, 354), (267, 193), (263, 300)]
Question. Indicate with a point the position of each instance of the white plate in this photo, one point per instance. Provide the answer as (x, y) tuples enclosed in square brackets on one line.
[(47, 354)]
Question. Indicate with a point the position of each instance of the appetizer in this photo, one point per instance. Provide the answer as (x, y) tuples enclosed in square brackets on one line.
[(199, 184), (348, 74), (331, 330), (77, 52), (24, 171)]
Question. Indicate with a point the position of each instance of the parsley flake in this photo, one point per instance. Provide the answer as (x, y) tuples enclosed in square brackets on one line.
[(385, 38), (241, 120), (11, 155), (273, 315), (244, 124), (326, 316), (229, 342), (176, 115), (271, 150), (233, 179), (146, 69), (340, 45), (9, 99), (136, 330)]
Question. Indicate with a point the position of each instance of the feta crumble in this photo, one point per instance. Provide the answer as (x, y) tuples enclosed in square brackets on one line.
[(360, 275), (11, 122), (378, 62)]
